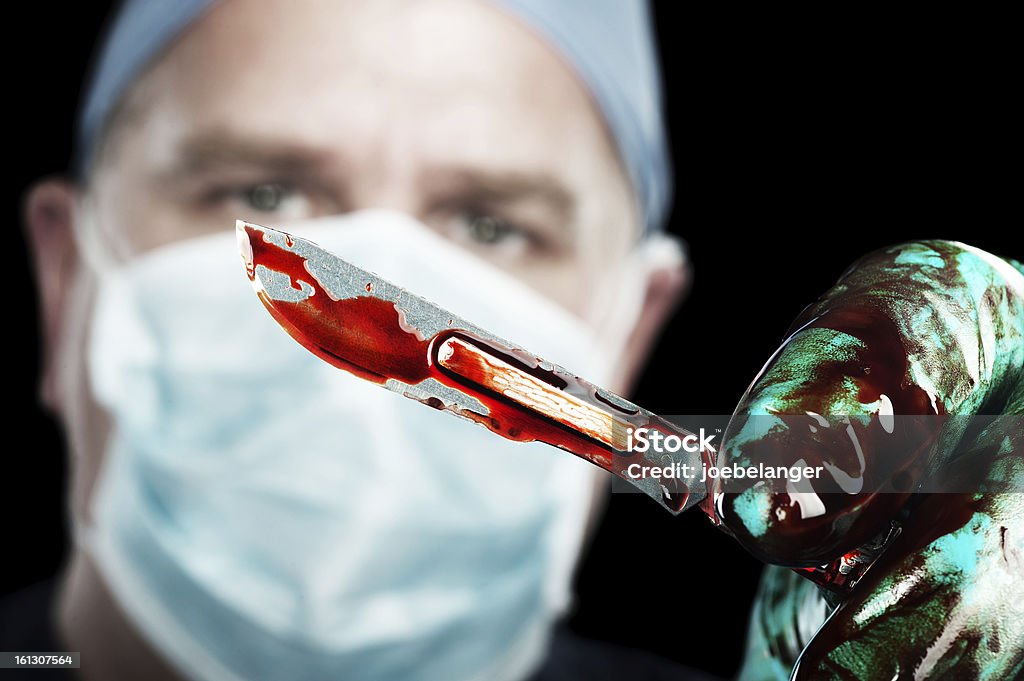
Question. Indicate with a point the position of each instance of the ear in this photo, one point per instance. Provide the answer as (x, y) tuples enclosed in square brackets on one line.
[(667, 284), (48, 214)]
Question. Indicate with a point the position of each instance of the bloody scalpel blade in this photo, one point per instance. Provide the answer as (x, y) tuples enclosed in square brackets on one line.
[(358, 322)]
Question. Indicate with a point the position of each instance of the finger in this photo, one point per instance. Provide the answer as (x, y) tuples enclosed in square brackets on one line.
[(787, 612), (946, 600)]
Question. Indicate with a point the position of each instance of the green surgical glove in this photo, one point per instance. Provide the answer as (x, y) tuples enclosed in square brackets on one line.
[(934, 329)]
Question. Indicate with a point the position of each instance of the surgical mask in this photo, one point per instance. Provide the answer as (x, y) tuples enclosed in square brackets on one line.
[(262, 515)]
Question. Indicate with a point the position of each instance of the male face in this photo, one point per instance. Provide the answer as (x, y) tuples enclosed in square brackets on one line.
[(451, 111)]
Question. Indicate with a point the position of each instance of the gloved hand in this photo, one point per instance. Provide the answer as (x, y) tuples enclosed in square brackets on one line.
[(930, 328)]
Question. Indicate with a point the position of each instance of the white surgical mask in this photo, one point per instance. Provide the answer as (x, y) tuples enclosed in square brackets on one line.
[(262, 515)]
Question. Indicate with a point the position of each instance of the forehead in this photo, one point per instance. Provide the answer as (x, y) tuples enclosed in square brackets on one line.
[(389, 78)]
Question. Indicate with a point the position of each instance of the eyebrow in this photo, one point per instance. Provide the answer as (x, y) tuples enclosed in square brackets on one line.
[(493, 185), (215, 150)]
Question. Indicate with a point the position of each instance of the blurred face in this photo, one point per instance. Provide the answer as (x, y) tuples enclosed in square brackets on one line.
[(451, 111)]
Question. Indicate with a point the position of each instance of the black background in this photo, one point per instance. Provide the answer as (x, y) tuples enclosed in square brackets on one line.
[(800, 142)]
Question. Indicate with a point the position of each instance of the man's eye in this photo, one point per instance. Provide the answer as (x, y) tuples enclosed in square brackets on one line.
[(486, 229), (266, 197)]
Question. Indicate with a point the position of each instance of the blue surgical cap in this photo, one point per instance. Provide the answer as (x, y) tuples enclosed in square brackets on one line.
[(609, 43)]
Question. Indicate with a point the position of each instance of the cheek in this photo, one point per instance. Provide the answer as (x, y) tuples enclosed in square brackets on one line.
[(608, 227), (565, 283), (605, 230), (573, 281)]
